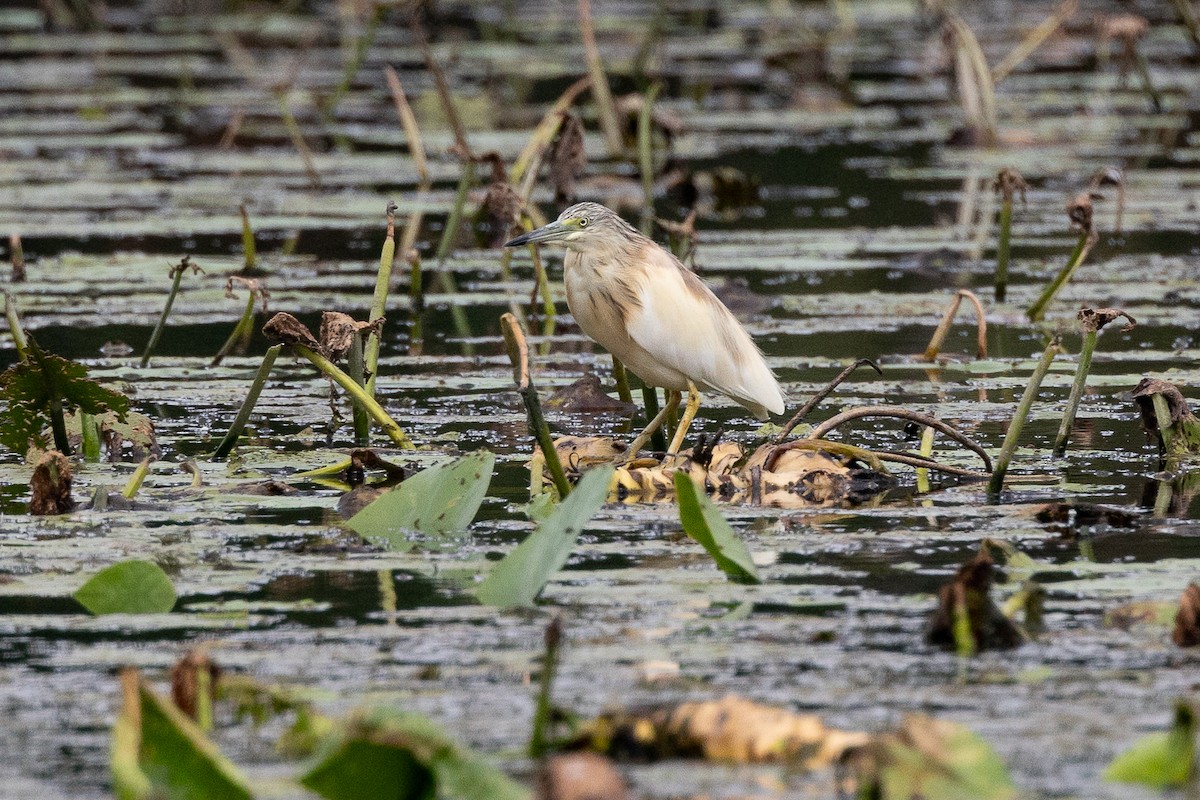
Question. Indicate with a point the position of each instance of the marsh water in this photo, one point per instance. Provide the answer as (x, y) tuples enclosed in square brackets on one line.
[(859, 225)]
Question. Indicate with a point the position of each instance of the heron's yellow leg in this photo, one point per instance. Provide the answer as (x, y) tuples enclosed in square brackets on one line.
[(689, 413), (673, 399)]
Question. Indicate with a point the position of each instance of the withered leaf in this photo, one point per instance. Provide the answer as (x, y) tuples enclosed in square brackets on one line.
[(1187, 620), (51, 485)]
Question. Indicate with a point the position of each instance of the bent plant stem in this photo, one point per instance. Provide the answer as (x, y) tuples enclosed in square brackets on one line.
[(996, 484), (1086, 239), (176, 278), (518, 354), (805, 409), (135, 480), (358, 395), (243, 415), (355, 364), (943, 328), (898, 413), (539, 742), (1143, 68), (383, 279)]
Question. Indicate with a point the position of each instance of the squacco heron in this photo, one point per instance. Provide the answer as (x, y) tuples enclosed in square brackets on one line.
[(650, 311)]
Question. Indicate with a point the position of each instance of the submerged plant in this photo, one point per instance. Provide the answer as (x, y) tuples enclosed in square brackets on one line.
[(1167, 419)]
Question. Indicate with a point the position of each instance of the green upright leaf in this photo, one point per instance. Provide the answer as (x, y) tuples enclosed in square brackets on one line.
[(520, 577), (438, 500), (128, 587), (932, 759), (358, 769), (384, 754), (1160, 760), (179, 760), (704, 523)]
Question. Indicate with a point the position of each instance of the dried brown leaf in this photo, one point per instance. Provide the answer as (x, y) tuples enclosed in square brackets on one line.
[(51, 485), (1187, 620)]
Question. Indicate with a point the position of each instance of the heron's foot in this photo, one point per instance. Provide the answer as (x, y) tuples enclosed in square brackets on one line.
[(689, 413)]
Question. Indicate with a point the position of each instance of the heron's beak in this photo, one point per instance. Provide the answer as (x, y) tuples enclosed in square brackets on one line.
[(549, 233)]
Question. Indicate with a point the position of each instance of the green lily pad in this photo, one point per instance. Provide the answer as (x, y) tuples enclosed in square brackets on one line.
[(130, 587)]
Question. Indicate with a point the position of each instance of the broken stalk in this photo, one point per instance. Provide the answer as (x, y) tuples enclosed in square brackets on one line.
[(14, 326), (1080, 212), (1008, 183), (1018, 421), (518, 353), (370, 354), (135, 480), (241, 332), (356, 365), (250, 258)]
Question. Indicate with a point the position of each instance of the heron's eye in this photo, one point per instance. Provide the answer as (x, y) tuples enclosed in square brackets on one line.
[(583, 222)]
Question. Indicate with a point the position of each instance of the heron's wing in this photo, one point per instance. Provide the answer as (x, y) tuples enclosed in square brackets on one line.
[(682, 324)]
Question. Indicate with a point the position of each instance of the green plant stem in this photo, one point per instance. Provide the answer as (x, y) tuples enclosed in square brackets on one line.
[(658, 439), (383, 279), (58, 425), (646, 152), (250, 258), (354, 63), (243, 415), (1143, 68), (445, 278), (1162, 415), (622, 379), (14, 327), (91, 436), (1085, 363), (358, 395), (177, 278), (1038, 310), (297, 136), (1018, 421), (416, 299), (244, 326), (1003, 248), (204, 698), (605, 107), (549, 313), (539, 743), (135, 480), (362, 423)]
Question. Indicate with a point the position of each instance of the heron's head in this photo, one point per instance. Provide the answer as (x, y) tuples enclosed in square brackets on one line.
[(583, 226)]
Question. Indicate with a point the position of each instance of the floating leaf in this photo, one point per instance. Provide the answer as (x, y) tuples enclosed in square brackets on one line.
[(519, 578), (159, 752), (383, 753), (1159, 760), (437, 500), (129, 587), (704, 523)]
